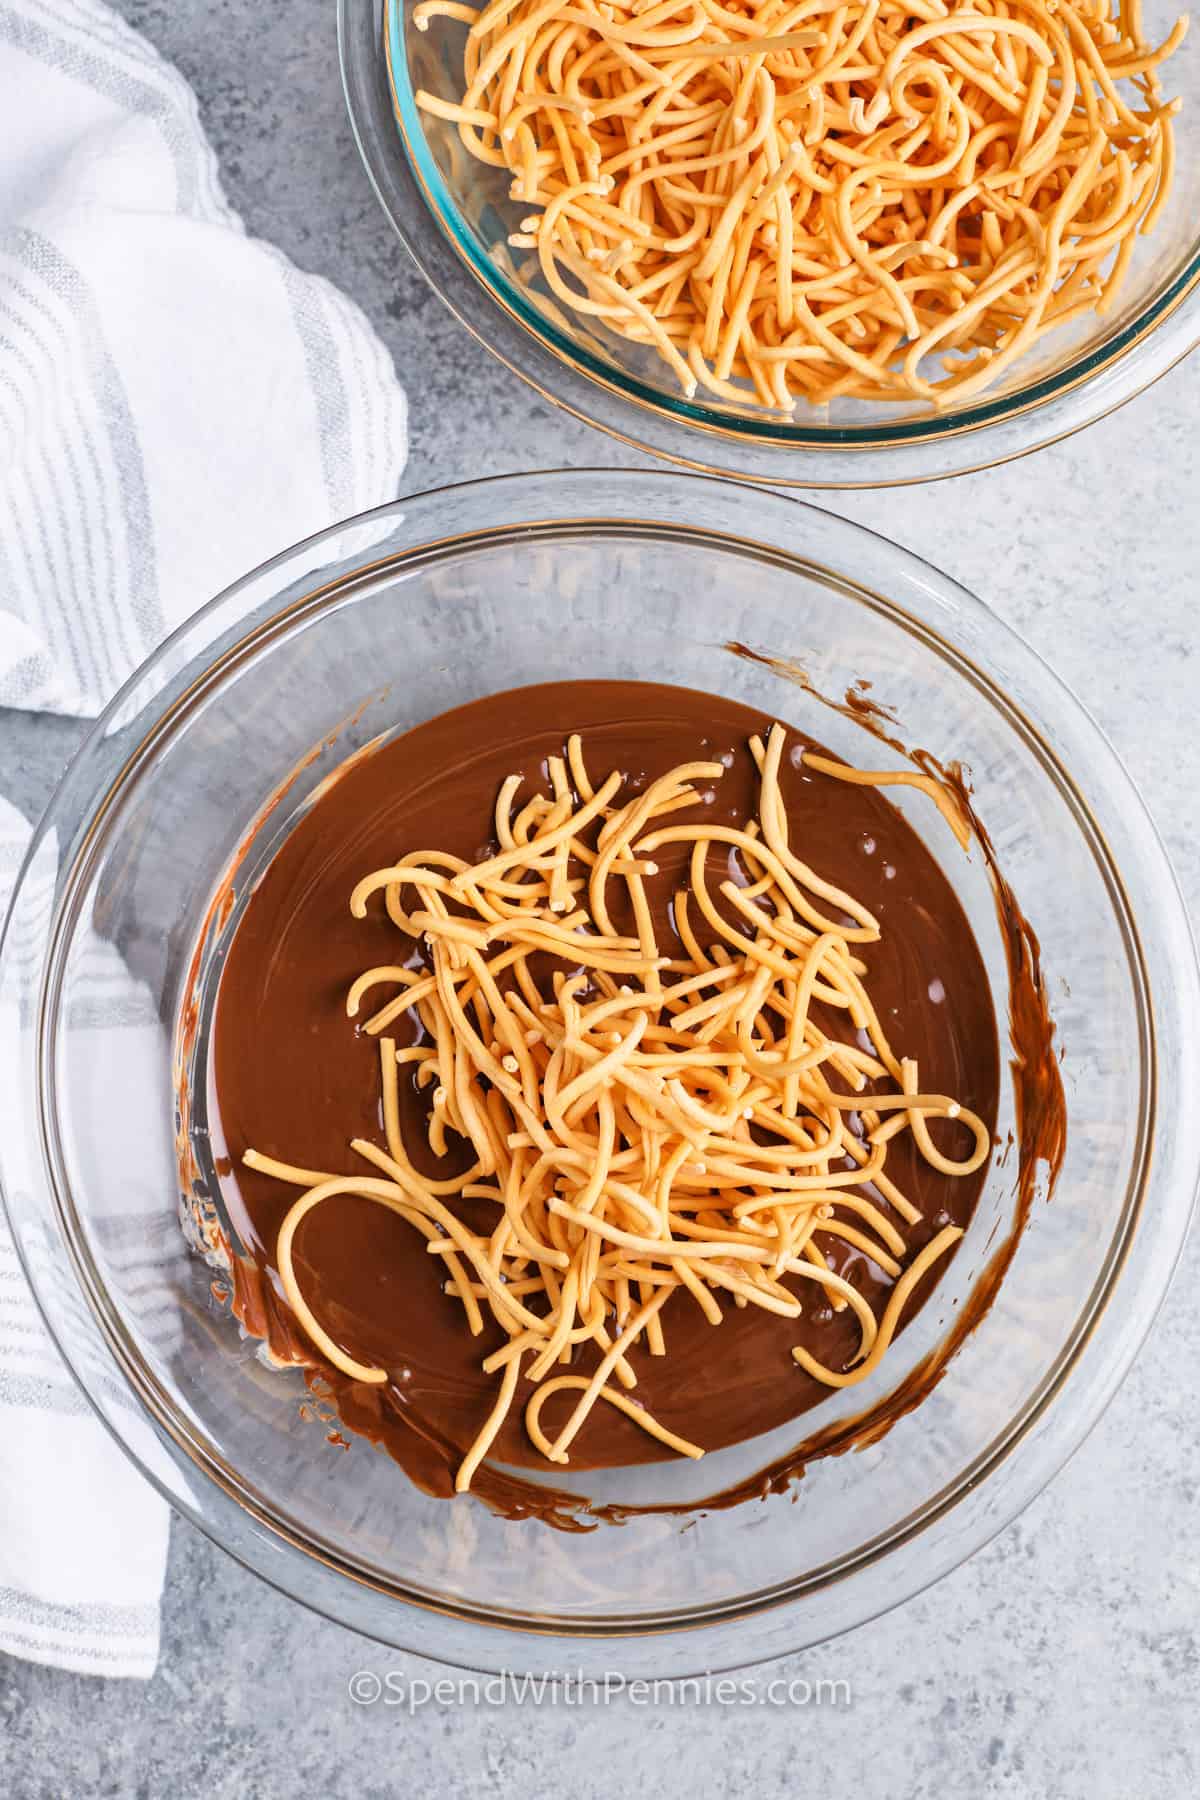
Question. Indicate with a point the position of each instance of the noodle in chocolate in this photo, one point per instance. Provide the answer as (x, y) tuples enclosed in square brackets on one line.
[(646, 1127)]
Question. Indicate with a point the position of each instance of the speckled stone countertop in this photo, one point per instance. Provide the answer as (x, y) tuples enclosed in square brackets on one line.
[(1062, 1661)]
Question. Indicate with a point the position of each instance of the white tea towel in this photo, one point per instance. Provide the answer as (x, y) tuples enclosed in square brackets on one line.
[(83, 1538), (177, 403)]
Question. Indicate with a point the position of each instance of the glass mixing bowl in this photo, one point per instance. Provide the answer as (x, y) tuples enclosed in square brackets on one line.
[(203, 761), (454, 216)]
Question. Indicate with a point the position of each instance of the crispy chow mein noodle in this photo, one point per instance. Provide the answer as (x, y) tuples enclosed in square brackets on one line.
[(647, 1127), (815, 199)]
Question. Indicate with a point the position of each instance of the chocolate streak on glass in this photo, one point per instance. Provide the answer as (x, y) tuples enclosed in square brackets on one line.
[(1039, 1103)]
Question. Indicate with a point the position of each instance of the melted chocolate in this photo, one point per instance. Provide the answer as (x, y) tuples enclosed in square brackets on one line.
[(296, 1079)]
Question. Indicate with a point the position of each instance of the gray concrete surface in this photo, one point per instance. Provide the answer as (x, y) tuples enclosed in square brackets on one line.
[(1062, 1661)]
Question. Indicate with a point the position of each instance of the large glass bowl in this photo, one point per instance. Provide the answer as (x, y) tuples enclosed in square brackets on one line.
[(454, 216), (204, 759)]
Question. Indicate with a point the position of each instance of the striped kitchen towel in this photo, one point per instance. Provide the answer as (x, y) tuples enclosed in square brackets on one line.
[(177, 403), (83, 1538)]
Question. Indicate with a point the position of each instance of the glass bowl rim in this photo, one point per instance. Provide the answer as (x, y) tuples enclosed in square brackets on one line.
[(254, 631), (696, 435)]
